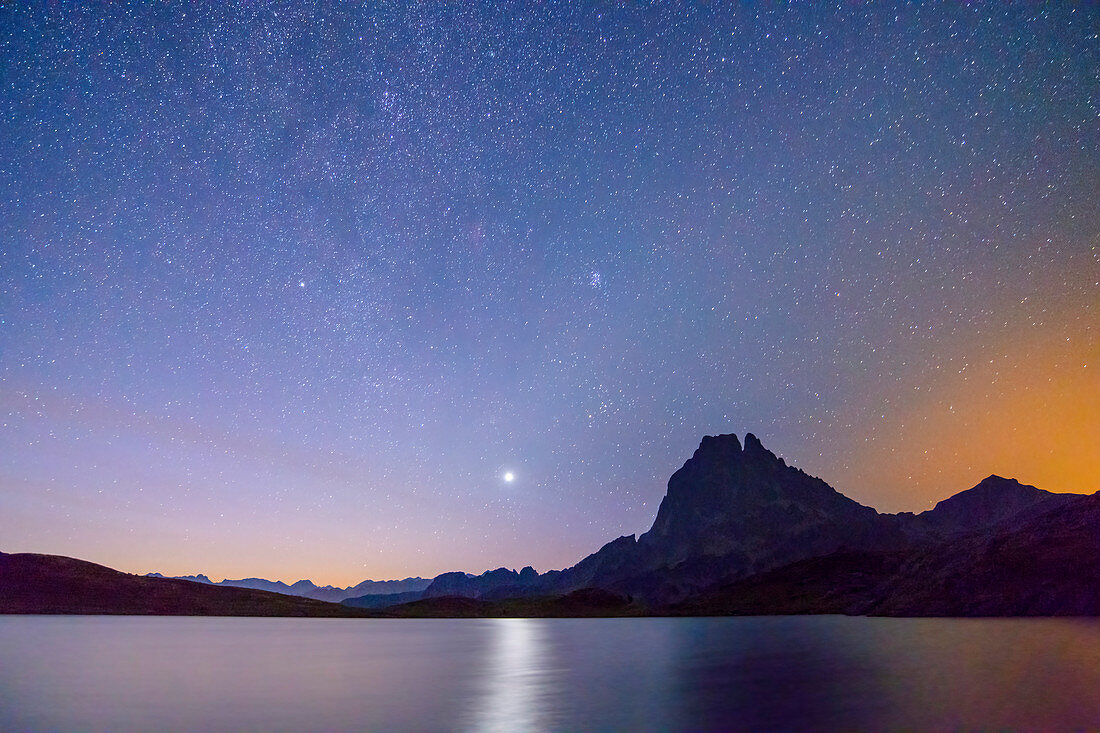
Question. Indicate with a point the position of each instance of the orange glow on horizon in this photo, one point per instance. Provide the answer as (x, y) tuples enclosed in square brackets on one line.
[(1029, 409)]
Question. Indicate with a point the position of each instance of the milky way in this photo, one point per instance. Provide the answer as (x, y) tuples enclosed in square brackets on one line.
[(289, 292)]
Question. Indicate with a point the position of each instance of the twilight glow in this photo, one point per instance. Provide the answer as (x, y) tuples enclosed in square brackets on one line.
[(386, 290)]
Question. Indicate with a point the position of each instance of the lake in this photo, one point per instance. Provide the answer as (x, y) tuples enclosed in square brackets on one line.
[(804, 673)]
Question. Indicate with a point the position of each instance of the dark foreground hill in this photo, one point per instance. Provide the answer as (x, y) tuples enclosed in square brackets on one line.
[(52, 584), (585, 603), (31, 583)]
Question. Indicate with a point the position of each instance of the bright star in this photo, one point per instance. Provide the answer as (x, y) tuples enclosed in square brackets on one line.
[(509, 476)]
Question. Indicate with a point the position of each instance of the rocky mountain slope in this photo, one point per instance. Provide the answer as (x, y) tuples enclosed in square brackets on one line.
[(1048, 565), (736, 512)]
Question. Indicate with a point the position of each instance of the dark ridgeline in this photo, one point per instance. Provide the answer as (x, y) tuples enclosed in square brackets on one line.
[(1047, 564), (738, 532), (32, 583)]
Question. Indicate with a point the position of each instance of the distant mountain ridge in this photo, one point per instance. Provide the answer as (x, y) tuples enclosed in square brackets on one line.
[(308, 589), (34, 583)]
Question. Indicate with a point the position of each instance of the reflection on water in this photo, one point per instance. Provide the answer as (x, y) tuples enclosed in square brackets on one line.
[(93, 673), (518, 679)]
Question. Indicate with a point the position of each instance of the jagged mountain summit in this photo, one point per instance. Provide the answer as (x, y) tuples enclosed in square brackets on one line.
[(503, 581), (731, 510), (737, 510), (722, 498)]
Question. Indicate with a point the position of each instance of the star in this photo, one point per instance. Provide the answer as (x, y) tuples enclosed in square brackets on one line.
[(576, 258)]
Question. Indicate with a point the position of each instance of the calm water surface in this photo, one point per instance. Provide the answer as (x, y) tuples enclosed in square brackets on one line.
[(99, 673)]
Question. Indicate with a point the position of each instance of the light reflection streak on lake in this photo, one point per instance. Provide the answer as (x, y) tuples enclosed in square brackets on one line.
[(96, 673), (518, 681)]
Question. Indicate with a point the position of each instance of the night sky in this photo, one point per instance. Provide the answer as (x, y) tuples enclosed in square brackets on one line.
[(288, 292)]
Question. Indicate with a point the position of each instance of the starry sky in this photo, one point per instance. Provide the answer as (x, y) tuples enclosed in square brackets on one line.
[(287, 291)]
